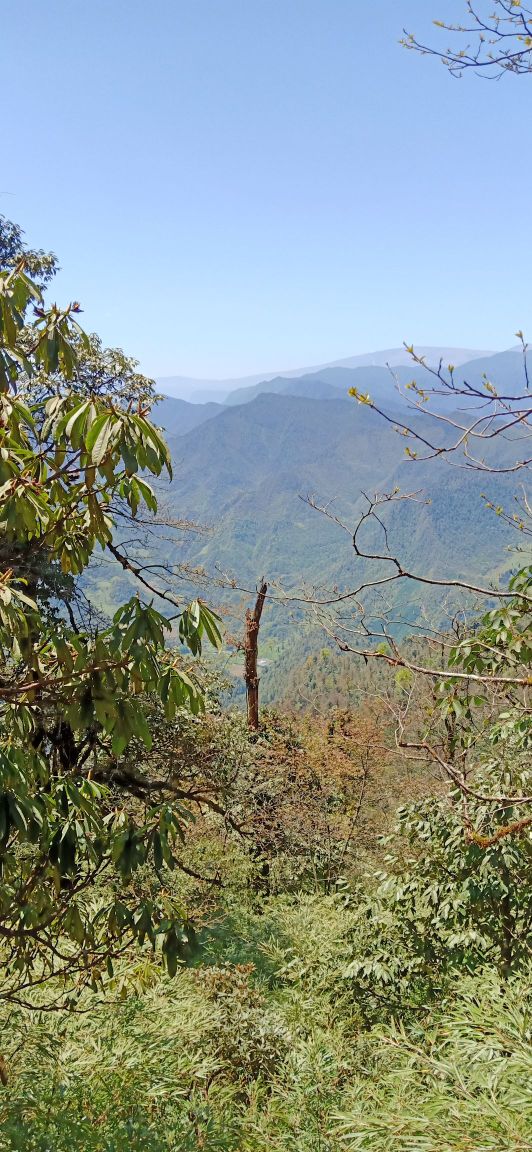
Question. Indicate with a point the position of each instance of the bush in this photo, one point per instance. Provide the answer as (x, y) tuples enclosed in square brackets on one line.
[(248, 1038)]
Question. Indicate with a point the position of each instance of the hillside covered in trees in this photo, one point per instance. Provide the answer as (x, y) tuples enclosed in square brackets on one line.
[(220, 936), (247, 479), (265, 741)]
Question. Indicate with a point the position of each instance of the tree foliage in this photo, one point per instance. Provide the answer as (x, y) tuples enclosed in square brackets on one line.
[(71, 455), (445, 907)]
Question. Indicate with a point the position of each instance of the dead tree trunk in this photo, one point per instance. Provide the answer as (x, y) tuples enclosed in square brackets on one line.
[(251, 647)]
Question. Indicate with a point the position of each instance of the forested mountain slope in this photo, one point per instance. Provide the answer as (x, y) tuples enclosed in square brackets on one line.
[(178, 417), (245, 474)]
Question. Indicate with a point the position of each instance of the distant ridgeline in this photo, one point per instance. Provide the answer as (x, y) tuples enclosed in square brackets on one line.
[(244, 469)]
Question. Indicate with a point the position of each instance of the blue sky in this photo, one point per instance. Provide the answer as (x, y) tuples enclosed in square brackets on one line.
[(240, 185)]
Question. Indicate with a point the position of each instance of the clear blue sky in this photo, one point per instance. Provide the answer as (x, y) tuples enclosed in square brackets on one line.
[(240, 185)]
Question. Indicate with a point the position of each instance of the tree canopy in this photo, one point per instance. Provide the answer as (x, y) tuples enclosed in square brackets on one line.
[(76, 448)]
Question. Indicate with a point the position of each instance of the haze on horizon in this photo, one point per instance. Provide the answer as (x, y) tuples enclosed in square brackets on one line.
[(259, 188), (200, 390)]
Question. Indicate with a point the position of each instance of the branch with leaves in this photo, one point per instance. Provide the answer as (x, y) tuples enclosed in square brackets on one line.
[(497, 35), (477, 677), (76, 442)]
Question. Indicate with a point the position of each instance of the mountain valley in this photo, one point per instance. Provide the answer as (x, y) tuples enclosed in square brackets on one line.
[(245, 470)]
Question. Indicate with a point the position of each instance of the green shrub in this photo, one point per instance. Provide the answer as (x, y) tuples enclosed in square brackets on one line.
[(248, 1037)]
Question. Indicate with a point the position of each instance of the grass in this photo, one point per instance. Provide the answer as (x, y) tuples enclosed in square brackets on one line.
[(260, 1047)]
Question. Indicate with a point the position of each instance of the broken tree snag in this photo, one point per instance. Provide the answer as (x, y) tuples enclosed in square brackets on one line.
[(251, 648)]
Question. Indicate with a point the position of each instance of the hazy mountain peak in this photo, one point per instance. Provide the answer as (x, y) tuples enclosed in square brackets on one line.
[(200, 391)]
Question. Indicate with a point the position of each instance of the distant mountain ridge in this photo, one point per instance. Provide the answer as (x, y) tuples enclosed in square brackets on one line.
[(201, 391), (243, 470), (180, 416), (504, 369)]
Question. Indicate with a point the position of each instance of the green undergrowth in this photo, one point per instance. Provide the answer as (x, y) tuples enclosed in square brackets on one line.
[(261, 1044)]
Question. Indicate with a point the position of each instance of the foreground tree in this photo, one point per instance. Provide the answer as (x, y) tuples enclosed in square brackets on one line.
[(73, 458), (445, 907)]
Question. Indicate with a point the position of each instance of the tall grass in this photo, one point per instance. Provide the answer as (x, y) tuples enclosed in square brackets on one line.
[(261, 1047)]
